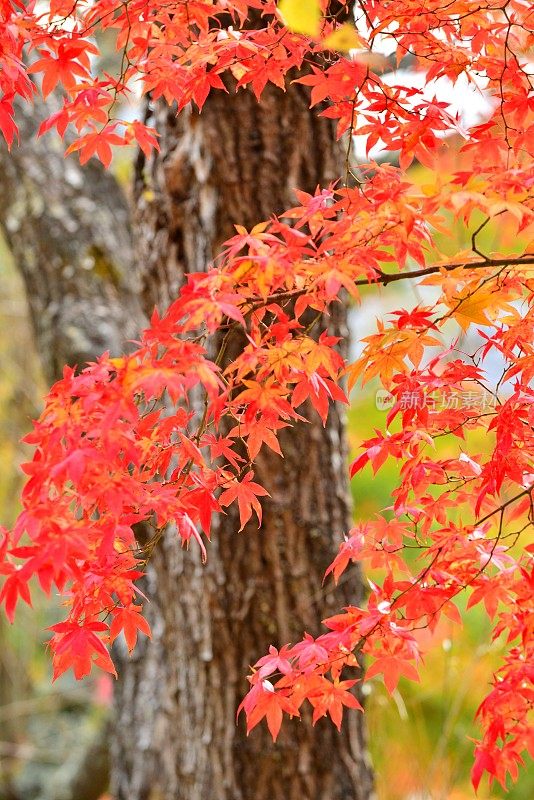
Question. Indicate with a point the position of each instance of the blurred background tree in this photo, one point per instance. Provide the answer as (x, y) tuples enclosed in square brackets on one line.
[(46, 730)]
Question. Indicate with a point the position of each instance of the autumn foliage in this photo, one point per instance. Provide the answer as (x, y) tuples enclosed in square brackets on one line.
[(168, 434)]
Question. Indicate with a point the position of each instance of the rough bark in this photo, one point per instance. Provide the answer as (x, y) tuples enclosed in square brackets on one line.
[(69, 230), (176, 736)]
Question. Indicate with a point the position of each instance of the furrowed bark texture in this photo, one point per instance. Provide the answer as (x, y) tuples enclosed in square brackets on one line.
[(176, 735)]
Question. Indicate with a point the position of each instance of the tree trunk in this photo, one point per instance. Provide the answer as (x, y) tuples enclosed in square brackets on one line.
[(68, 228), (175, 733), (176, 736)]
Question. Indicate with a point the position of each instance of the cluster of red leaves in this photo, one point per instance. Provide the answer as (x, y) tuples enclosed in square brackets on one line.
[(109, 452), (184, 50)]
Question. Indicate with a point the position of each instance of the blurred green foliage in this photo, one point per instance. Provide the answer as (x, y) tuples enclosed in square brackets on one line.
[(421, 742), (420, 739)]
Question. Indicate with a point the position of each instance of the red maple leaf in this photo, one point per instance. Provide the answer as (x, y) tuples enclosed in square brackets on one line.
[(246, 492)]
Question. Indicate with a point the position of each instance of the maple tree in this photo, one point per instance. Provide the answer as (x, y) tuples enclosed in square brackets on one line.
[(109, 453)]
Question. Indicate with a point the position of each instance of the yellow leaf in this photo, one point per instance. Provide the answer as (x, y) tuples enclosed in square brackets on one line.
[(301, 16), (479, 307), (343, 39), (260, 227), (237, 70), (242, 269)]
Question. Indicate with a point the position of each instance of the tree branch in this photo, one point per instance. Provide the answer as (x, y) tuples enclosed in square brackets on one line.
[(384, 278)]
